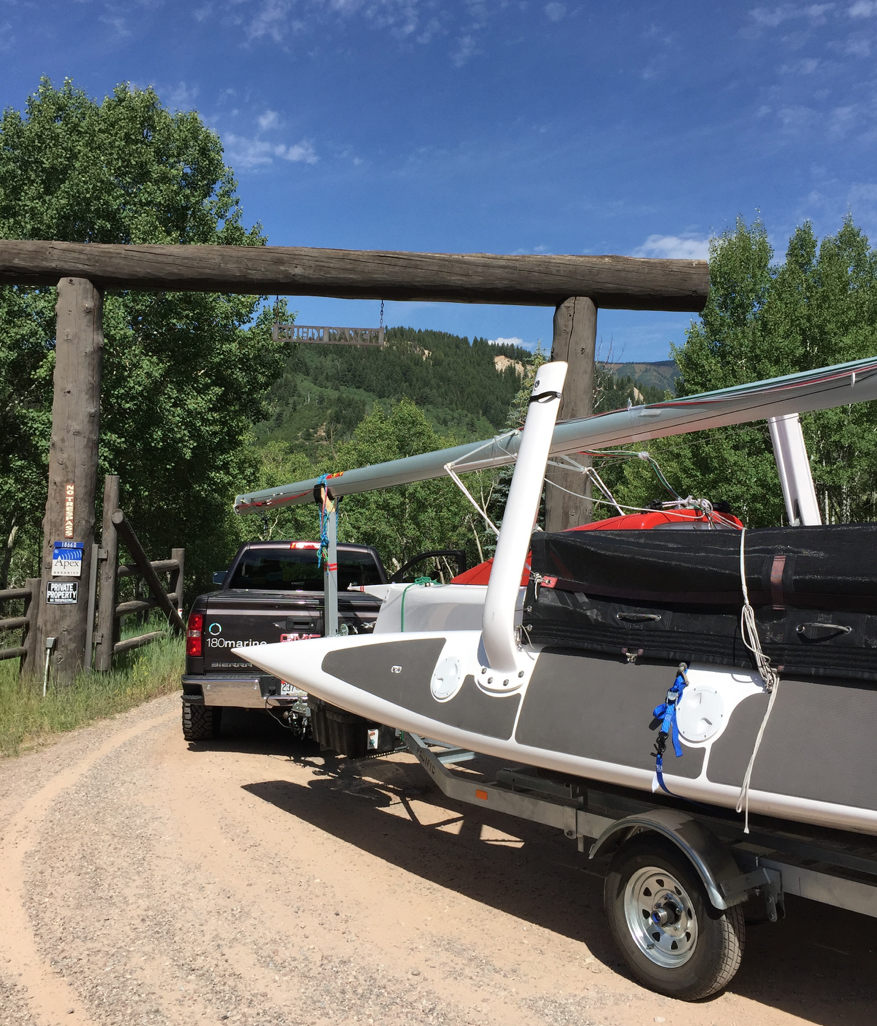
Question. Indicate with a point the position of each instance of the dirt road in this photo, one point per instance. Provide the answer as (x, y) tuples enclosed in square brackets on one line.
[(143, 880)]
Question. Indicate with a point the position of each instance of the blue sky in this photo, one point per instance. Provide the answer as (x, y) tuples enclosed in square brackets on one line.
[(508, 127)]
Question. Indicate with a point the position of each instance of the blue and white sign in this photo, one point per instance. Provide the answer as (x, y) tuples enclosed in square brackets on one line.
[(67, 559)]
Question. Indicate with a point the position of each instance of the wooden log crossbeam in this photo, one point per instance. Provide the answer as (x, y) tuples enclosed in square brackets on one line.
[(24, 623), (139, 641), (126, 533), (158, 565), (140, 605), (611, 282), (14, 623)]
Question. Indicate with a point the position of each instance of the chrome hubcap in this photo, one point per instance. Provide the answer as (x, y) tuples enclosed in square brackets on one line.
[(660, 917)]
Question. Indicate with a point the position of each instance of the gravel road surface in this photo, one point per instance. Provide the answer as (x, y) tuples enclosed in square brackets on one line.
[(147, 881)]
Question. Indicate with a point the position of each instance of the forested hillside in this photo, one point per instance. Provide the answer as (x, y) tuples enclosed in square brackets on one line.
[(463, 388)]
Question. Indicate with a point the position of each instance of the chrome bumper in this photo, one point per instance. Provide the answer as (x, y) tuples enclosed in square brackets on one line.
[(250, 691)]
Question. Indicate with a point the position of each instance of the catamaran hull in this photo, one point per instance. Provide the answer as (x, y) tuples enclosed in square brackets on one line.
[(591, 717)]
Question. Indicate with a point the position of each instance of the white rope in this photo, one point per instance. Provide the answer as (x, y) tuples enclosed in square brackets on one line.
[(496, 440), (749, 633), (468, 495), (639, 509)]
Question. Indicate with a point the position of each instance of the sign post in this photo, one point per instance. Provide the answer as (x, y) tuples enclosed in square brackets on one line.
[(68, 526)]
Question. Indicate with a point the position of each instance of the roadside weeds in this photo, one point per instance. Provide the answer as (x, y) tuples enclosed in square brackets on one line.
[(27, 719)]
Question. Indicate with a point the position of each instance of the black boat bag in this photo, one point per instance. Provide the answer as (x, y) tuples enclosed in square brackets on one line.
[(677, 596)]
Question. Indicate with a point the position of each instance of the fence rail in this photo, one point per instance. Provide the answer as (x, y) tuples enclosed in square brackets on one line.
[(25, 623), (116, 528)]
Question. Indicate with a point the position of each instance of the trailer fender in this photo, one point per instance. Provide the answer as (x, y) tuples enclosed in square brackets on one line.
[(712, 860)]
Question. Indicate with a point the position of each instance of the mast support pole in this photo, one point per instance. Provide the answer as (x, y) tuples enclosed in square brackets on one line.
[(498, 624)]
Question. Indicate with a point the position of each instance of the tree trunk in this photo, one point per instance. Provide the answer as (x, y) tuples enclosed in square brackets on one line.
[(575, 338), (72, 469), (7, 558)]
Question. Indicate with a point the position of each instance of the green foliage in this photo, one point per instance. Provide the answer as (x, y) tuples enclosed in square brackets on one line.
[(184, 374), (270, 465), (325, 391), (403, 521), (763, 319)]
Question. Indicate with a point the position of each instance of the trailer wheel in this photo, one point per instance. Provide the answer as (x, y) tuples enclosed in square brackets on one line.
[(674, 940), (201, 722)]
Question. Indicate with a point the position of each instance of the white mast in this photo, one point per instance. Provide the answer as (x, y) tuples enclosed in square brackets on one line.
[(521, 511)]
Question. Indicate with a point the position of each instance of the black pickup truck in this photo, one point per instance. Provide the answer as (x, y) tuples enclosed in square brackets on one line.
[(272, 592)]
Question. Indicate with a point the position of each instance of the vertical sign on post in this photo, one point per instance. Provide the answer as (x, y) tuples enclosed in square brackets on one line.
[(69, 509)]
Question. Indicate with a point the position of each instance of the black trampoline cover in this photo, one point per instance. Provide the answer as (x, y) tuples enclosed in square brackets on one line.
[(677, 595)]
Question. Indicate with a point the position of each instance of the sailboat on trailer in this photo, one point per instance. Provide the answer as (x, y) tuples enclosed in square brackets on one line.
[(750, 656)]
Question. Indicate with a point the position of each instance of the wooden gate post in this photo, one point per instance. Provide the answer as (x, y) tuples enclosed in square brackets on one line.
[(72, 471), (177, 581), (109, 587), (575, 339)]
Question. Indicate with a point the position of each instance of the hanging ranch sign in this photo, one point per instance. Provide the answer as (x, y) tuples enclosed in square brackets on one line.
[(330, 336)]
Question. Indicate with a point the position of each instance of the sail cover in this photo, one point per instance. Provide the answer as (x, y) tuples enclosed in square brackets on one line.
[(794, 393), (677, 596)]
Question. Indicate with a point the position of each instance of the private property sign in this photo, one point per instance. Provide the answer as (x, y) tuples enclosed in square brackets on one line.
[(62, 593)]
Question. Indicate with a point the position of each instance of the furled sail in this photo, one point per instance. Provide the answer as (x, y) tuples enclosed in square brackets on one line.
[(795, 393)]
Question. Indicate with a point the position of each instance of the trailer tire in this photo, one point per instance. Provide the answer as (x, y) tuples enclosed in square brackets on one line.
[(201, 722), (671, 936)]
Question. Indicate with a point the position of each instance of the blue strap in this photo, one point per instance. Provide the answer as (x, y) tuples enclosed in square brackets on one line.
[(666, 713), (659, 773), (324, 525)]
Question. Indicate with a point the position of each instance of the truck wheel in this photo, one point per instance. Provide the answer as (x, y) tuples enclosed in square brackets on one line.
[(674, 940), (201, 722)]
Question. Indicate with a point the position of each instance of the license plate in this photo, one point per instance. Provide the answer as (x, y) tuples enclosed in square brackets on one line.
[(290, 690)]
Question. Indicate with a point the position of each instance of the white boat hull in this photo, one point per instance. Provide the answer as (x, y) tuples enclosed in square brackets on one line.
[(591, 717)]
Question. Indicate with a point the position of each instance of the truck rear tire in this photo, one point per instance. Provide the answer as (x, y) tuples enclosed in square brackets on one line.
[(672, 937), (201, 722)]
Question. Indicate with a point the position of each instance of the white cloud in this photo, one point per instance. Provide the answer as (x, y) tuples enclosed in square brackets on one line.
[(6, 36), (270, 119), (555, 11), (466, 48), (794, 117), (270, 21), (115, 21), (805, 66), (506, 341), (674, 247), (303, 151), (863, 9), (182, 95), (253, 152), (841, 120), (771, 17)]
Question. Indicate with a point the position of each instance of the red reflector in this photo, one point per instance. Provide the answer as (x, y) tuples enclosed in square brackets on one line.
[(482, 795), (193, 634)]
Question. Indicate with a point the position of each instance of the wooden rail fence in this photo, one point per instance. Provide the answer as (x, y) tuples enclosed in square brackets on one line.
[(26, 623), (116, 526)]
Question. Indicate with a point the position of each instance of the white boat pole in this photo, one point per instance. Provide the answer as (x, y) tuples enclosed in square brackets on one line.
[(521, 510), (793, 466)]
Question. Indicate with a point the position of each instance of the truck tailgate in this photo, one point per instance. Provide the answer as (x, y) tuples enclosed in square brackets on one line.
[(242, 619)]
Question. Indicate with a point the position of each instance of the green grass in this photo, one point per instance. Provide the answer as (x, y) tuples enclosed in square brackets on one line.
[(27, 719)]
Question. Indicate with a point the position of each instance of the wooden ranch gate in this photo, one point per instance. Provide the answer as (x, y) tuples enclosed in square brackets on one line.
[(575, 286)]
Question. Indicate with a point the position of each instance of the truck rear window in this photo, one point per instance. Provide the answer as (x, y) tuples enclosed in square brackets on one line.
[(297, 570)]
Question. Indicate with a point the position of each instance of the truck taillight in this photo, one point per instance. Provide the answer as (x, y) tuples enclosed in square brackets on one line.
[(193, 634)]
